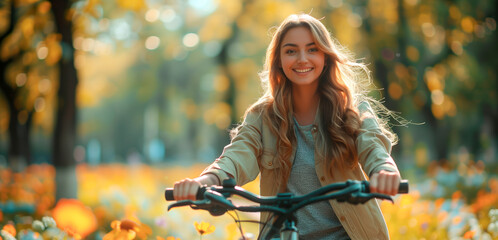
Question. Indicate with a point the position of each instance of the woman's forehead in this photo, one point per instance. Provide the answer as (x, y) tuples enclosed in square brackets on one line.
[(298, 36)]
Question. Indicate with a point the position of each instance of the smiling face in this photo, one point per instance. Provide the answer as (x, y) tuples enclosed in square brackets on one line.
[(301, 60)]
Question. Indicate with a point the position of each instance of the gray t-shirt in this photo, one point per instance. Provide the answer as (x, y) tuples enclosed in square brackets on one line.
[(318, 220)]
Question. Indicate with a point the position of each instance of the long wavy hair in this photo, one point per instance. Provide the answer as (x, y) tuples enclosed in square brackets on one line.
[(342, 85)]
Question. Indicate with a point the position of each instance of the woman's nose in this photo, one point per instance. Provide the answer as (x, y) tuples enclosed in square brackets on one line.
[(302, 58)]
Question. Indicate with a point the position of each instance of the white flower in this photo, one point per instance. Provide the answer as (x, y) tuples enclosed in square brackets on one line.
[(486, 236), (493, 214), (493, 228), (6, 235), (38, 226), (49, 222)]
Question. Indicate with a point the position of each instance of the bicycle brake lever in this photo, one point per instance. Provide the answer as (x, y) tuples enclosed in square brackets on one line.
[(189, 203), (215, 203), (360, 197), (382, 196), (219, 198)]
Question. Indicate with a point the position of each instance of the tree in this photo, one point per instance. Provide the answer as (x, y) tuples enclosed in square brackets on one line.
[(65, 126), (23, 66)]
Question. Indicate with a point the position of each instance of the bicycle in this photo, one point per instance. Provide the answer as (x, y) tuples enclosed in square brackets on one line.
[(215, 200)]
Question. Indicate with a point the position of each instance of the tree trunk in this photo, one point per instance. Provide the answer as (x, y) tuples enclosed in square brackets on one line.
[(18, 149), (65, 126), (19, 154)]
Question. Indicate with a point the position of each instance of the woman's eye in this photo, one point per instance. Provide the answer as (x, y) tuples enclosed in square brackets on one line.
[(290, 51), (313, 50)]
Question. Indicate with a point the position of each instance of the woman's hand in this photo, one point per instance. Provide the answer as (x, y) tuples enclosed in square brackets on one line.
[(187, 188), (385, 182)]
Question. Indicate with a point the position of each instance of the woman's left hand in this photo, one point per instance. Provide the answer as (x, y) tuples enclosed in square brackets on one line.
[(385, 182)]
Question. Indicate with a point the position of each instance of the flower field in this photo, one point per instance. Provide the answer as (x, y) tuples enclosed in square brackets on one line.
[(118, 201)]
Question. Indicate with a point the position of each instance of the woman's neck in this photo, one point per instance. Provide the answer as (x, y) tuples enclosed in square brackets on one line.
[(305, 103)]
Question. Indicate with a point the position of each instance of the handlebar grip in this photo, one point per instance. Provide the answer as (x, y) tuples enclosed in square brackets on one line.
[(168, 194), (404, 187)]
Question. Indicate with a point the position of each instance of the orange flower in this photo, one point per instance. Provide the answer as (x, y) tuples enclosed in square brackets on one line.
[(457, 195), (122, 230), (457, 220), (469, 234), (75, 218), (127, 230), (204, 228), (143, 230), (10, 229), (439, 202)]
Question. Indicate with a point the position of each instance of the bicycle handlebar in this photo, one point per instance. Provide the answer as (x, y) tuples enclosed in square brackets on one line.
[(215, 200), (168, 193)]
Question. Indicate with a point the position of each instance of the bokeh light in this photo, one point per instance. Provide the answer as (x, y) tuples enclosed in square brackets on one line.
[(152, 42), (190, 40)]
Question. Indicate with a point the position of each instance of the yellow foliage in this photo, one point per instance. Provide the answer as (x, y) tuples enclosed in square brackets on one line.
[(221, 83), (216, 27), (189, 107), (44, 7), (54, 49), (395, 90), (90, 7), (412, 53), (455, 12), (27, 25), (134, 5), (9, 47), (230, 8), (344, 33), (467, 24), (218, 114), (386, 10)]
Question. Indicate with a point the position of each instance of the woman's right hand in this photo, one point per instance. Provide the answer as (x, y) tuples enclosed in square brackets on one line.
[(186, 189)]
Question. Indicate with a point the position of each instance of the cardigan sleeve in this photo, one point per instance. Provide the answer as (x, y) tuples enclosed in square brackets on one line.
[(373, 146), (240, 158)]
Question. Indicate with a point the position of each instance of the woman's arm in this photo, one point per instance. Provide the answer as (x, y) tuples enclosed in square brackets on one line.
[(374, 149), (238, 161)]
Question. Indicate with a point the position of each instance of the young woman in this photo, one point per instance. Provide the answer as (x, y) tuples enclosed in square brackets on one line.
[(314, 126)]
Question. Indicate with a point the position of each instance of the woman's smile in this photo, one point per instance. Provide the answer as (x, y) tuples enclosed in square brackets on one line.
[(303, 70)]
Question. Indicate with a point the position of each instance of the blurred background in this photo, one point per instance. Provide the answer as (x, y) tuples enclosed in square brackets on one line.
[(108, 102)]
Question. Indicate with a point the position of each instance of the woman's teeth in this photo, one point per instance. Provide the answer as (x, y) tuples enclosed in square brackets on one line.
[(303, 70)]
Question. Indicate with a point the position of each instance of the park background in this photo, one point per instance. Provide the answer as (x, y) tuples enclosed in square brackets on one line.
[(109, 102)]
